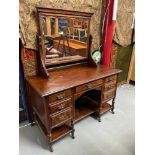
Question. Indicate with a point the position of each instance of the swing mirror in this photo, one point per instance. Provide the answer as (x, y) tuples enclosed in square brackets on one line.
[(64, 36)]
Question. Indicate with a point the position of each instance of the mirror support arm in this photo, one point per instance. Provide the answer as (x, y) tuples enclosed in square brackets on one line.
[(41, 64)]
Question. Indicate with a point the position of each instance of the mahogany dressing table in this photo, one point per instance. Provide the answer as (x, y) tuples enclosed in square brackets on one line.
[(60, 98)]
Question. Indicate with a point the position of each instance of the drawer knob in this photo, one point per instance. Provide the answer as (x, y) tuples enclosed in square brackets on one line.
[(110, 87), (61, 96), (89, 86), (61, 118), (61, 106)]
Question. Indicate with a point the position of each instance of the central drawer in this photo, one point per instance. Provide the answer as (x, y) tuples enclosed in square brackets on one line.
[(62, 116), (88, 86), (60, 105)]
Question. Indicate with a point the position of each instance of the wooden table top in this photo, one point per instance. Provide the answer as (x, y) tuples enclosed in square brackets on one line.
[(68, 78)]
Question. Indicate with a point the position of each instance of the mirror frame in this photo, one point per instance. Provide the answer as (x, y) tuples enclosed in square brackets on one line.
[(47, 11)]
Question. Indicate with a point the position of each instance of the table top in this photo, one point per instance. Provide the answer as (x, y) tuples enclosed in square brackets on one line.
[(68, 78)]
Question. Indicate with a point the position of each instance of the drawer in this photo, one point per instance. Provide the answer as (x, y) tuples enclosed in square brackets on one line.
[(88, 86), (60, 117), (111, 78), (60, 105), (109, 94), (59, 96), (109, 85)]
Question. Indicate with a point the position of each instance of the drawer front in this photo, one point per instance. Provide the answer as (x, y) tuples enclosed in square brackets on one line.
[(111, 78), (60, 105), (88, 86), (109, 94), (60, 117), (59, 96), (109, 85)]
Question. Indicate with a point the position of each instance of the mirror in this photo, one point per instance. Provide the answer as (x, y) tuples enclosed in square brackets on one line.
[(64, 35)]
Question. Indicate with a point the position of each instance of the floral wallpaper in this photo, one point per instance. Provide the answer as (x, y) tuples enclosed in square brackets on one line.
[(123, 31), (28, 20), (28, 57)]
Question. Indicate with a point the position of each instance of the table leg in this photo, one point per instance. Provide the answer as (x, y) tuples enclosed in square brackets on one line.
[(113, 102)]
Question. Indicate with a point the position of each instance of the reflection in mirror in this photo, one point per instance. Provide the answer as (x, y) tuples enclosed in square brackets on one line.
[(65, 39)]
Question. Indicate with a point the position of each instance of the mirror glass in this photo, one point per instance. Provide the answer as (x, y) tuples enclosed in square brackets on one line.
[(65, 38)]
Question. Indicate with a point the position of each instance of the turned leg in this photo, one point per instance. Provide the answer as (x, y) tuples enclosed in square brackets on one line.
[(33, 119), (113, 102), (50, 147), (50, 143), (99, 118), (73, 130), (99, 114), (73, 133)]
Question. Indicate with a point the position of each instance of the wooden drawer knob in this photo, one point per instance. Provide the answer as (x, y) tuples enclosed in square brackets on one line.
[(110, 87), (61, 96), (61, 106), (89, 86), (61, 118)]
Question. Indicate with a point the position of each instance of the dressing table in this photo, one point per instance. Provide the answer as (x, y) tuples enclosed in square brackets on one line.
[(68, 90)]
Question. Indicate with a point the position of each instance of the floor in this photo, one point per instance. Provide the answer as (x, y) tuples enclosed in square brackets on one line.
[(115, 135)]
